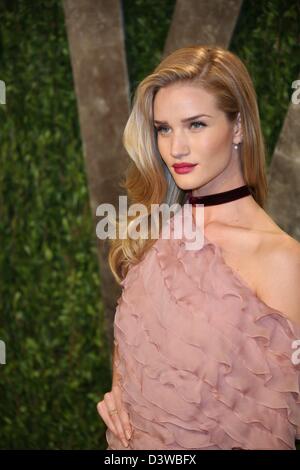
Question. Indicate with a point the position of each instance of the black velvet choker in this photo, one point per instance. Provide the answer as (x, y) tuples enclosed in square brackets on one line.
[(219, 198)]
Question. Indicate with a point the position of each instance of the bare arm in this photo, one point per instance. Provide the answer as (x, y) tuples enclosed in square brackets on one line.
[(116, 359), (118, 423)]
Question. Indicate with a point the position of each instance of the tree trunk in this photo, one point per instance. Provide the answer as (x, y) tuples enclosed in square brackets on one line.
[(200, 22), (284, 175), (96, 41)]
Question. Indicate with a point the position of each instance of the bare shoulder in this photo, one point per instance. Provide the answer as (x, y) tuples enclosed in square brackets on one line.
[(267, 259), (279, 277)]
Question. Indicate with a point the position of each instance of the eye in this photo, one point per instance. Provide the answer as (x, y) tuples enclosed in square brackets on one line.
[(198, 122), (160, 129)]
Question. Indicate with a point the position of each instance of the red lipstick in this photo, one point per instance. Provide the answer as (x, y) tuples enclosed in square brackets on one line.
[(183, 168)]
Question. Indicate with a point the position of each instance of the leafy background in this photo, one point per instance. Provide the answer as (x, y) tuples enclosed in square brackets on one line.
[(51, 313)]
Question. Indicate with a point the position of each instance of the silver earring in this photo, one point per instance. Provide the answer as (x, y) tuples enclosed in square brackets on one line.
[(236, 146)]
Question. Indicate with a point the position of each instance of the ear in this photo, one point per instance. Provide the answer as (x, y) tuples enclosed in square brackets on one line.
[(237, 130)]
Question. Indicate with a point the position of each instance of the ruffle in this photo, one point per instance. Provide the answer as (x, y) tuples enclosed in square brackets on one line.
[(204, 363)]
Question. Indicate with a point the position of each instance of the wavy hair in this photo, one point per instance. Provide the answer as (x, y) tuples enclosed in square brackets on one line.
[(148, 180)]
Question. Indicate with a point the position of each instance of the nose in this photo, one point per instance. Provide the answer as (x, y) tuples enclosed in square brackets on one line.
[(179, 147)]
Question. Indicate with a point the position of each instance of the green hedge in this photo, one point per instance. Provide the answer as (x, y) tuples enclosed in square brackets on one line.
[(266, 38), (51, 310)]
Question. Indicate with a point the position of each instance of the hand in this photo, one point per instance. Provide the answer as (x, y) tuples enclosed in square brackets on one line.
[(117, 422)]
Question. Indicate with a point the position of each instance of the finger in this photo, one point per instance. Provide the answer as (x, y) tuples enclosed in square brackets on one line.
[(111, 405), (124, 416), (102, 410)]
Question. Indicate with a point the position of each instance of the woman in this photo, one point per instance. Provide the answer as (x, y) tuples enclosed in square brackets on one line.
[(203, 339)]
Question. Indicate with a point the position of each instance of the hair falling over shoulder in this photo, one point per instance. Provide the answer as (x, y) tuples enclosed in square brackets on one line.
[(148, 180)]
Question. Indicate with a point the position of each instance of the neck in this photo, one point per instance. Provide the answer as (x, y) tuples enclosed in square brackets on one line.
[(238, 212)]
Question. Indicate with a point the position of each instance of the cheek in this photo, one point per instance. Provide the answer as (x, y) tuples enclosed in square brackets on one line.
[(162, 148), (214, 143)]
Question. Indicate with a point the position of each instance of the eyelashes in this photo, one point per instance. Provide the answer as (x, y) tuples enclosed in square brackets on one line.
[(161, 128)]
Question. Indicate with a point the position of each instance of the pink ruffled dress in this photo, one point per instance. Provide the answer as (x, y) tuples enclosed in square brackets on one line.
[(204, 363)]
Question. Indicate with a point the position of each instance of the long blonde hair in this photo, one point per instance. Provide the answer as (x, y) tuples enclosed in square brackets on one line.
[(148, 180)]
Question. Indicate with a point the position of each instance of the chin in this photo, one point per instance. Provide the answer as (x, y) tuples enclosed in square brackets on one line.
[(186, 185)]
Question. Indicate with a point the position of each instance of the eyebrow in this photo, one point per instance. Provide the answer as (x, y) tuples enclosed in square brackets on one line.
[(183, 120)]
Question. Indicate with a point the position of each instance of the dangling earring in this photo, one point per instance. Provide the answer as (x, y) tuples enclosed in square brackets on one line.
[(236, 146)]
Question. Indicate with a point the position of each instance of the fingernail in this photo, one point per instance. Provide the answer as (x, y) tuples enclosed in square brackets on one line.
[(125, 443), (128, 434)]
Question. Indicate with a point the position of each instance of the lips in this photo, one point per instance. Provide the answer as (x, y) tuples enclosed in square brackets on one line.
[(184, 165), (182, 168)]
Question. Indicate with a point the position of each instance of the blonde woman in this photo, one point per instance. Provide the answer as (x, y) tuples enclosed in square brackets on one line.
[(204, 339)]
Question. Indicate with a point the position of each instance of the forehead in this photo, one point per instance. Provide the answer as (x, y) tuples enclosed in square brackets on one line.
[(181, 98)]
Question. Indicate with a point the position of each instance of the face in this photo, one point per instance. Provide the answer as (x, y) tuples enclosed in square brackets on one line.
[(206, 141)]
